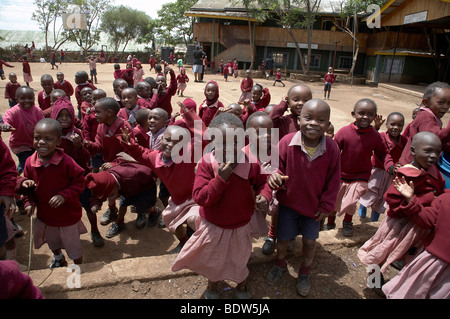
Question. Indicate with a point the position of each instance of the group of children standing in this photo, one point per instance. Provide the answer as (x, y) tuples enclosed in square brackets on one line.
[(103, 149)]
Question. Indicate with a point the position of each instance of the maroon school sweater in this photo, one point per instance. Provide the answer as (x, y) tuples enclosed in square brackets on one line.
[(78, 91), (231, 203), (44, 102), (165, 102), (285, 123), (436, 218), (394, 151), (8, 172), (65, 86), (425, 121), (313, 184), (108, 140), (62, 176), (357, 147)]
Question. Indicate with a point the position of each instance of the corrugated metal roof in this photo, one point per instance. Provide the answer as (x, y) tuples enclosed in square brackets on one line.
[(26, 37)]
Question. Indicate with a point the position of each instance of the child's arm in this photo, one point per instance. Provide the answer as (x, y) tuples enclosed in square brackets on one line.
[(77, 184), (378, 121), (278, 111), (8, 178), (265, 100), (137, 152), (172, 89)]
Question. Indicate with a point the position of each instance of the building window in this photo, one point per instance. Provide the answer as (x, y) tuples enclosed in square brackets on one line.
[(280, 58), (345, 62), (315, 60), (397, 67)]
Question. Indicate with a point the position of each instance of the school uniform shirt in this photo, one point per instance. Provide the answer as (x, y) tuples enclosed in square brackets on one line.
[(10, 90), (425, 121), (44, 100), (329, 78), (394, 151), (108, 140), (427, 185), (126, 113), (317, 176), (84, 107), (80, 156), (23, 120), (165, 102), (177, 177), (8, 172), (79, 88), (357, 147), (26, 67), (133, 178), (60, 176), (434, 217), (65, 86), (90, 125), (285, 123), (141, 136), (148, 103), (181, 78), (229, 204), (246, 84)]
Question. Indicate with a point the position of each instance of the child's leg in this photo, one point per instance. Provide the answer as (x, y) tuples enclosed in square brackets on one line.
[(362, 211)]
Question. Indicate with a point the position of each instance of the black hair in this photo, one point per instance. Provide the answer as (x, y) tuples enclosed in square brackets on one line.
[(23, 88), (108, 103), (256, 114), (82, 75), (433, 87), (117, 66), (298, 85), (226, 118), (54, 124), (151, 81), (142, 114), (394, 114), (57, 93), (46, 77), (162, 112), (118, 81), (258, 86), (131, 90), (367, 100), (100, 91)]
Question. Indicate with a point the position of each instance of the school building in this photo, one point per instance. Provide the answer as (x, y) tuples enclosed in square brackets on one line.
[(411, 46)]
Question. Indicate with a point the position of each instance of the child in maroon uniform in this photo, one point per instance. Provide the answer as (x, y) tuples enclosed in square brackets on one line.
[(63, 84), (71, 143), (118, 86), (383, 173), (426, 277), (90, 125), (173, 168), (166, 93), (129, 100), (182, 80), (328, 79), (47, 84), (59, 182), (278, 78), (306, 157), (86, 98), (211, 104), (82, 81), (398, 238), (260, 97), (27, 77), (436, 103), (227, 187), (142, 127), (108, 143), (357, 142), (146, 97), (246, 87), (11, 88)]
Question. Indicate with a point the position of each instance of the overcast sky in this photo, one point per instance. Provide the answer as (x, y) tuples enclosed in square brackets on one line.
[(16, 14)]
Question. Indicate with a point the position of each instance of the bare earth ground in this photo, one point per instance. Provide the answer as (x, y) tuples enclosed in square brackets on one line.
[(337, 272)]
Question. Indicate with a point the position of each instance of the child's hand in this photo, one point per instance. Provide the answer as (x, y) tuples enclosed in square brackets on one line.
[(266, 166), (56, 201), (182, 107), (261, 204), (106, 166), (95, 209), (276, 180), (126, 135), (10, 205), (320, 216), (378, 121), (28, 183), (407, 191), (30, 210), (77, 141), (85, 143), (225, 170), (6, 128)]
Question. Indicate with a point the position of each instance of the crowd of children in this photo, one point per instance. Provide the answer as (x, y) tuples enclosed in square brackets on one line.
[(217, 188)]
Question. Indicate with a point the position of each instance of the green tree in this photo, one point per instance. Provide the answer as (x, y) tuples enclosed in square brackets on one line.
[(173, 26), (124, 24)]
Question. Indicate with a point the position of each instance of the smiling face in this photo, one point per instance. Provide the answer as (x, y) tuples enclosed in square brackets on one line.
[(394, 125), (227, 147), (364, 113), (297, 96), (210, 91), (119, 85), (256, 93), (157, 119), (439, 102), (171, 137), (47, 84), (25, 97), (314, 121), (86, 94), (129, 98), (60, 76), (46, 140), (102, 114), (426, 149)]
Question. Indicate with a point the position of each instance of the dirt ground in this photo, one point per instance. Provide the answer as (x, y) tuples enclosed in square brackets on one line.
[(336, 273)]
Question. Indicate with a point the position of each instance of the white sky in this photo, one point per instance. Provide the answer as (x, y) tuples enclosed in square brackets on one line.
[(16, 14)]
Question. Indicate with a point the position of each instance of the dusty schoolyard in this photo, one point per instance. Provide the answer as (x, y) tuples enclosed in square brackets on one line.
[(337, 271)]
